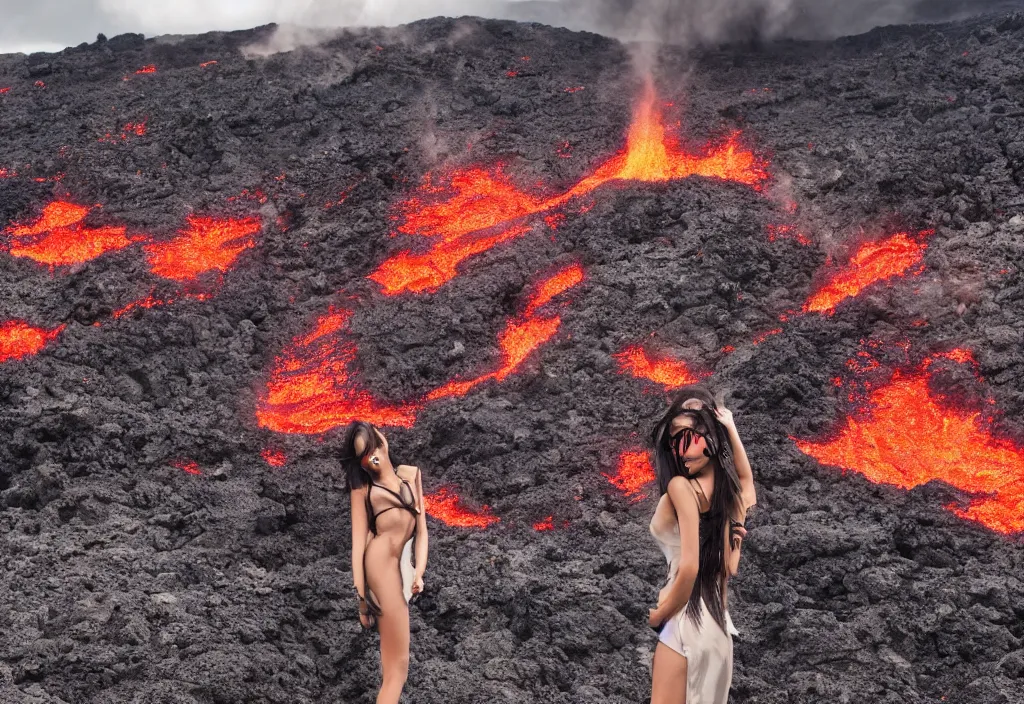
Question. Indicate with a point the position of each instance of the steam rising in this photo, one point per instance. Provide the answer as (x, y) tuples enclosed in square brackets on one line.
[(47, 23)]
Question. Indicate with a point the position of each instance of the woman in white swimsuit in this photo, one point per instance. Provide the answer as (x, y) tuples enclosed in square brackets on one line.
[(706, 487), (387, 519)]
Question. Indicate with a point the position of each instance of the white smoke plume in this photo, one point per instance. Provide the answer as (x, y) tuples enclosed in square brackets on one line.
[(53, 23)]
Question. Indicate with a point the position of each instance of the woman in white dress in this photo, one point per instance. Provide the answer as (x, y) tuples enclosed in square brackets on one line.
[(706, 488), (388, 523)]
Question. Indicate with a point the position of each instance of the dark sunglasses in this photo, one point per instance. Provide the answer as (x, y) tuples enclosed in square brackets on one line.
[(682, 440)]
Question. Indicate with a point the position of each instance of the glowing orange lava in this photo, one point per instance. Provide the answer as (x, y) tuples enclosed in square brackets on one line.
[(310, 390), (761, 337), (909, 440), (148, 68), (517, 341), (56, 215), (547, 524), (65, 241), (18, 339), (446, 506), (187, 467), (4, 91), (151, 302), (207, 244), (471, 200), (554, 285), (635, 471), (670, 373), (274, 457), (522, 335), (207, 63), (873, 262), (419, 273)]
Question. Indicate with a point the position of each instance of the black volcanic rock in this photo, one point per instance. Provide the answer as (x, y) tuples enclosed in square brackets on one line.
[(127, 579)]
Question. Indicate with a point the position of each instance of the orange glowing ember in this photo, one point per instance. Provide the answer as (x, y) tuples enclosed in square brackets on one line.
[(447, 507), (670, 373), (311, 391), (148, 68), (207, 244), (65, 241), (187, 467), (472, 200), (274, 457), (635, 471), (547, 524), (554, 285), (873, 262), (909, 440), (18, 339), (761, 337), (207, 63), (420, 273), (151, 302), (4, 91), (960, 355)]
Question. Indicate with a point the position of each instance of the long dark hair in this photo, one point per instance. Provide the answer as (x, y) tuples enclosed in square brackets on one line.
[(351, 461), (725, 499)]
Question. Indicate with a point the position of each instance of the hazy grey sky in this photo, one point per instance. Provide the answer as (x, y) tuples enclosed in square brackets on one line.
[(49, 25)]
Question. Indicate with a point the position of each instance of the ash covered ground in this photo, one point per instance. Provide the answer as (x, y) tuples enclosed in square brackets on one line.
[(152, 553)]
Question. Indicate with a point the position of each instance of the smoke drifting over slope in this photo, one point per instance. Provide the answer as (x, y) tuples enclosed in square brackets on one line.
[(41, 25)]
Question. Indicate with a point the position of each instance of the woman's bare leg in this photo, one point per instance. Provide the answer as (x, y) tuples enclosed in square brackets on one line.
[(668, 684), (385, 580)]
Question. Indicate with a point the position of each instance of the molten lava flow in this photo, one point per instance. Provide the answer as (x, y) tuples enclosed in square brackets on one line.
[(66, 241), (274, 457), (446, 507), (909, 440), (547, 524), (207, 63), (187, 467), (560, 282), (18, 339), (148, 68), (151, 302), (419, 273), (651, 157), (56, 215), (634, 472), (207, 244), (521, 335), (517, 341), (670, 373), (761, 337), (310, 389), (472, 200), (873, 262)]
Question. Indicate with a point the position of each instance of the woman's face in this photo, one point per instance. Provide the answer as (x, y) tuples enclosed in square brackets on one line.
[(372, 461), (693, 457)]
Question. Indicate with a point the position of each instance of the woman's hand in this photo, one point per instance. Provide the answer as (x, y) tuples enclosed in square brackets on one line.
[(654, 618), (365, 619), (417, 584), (738, 534), (724, 416)]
